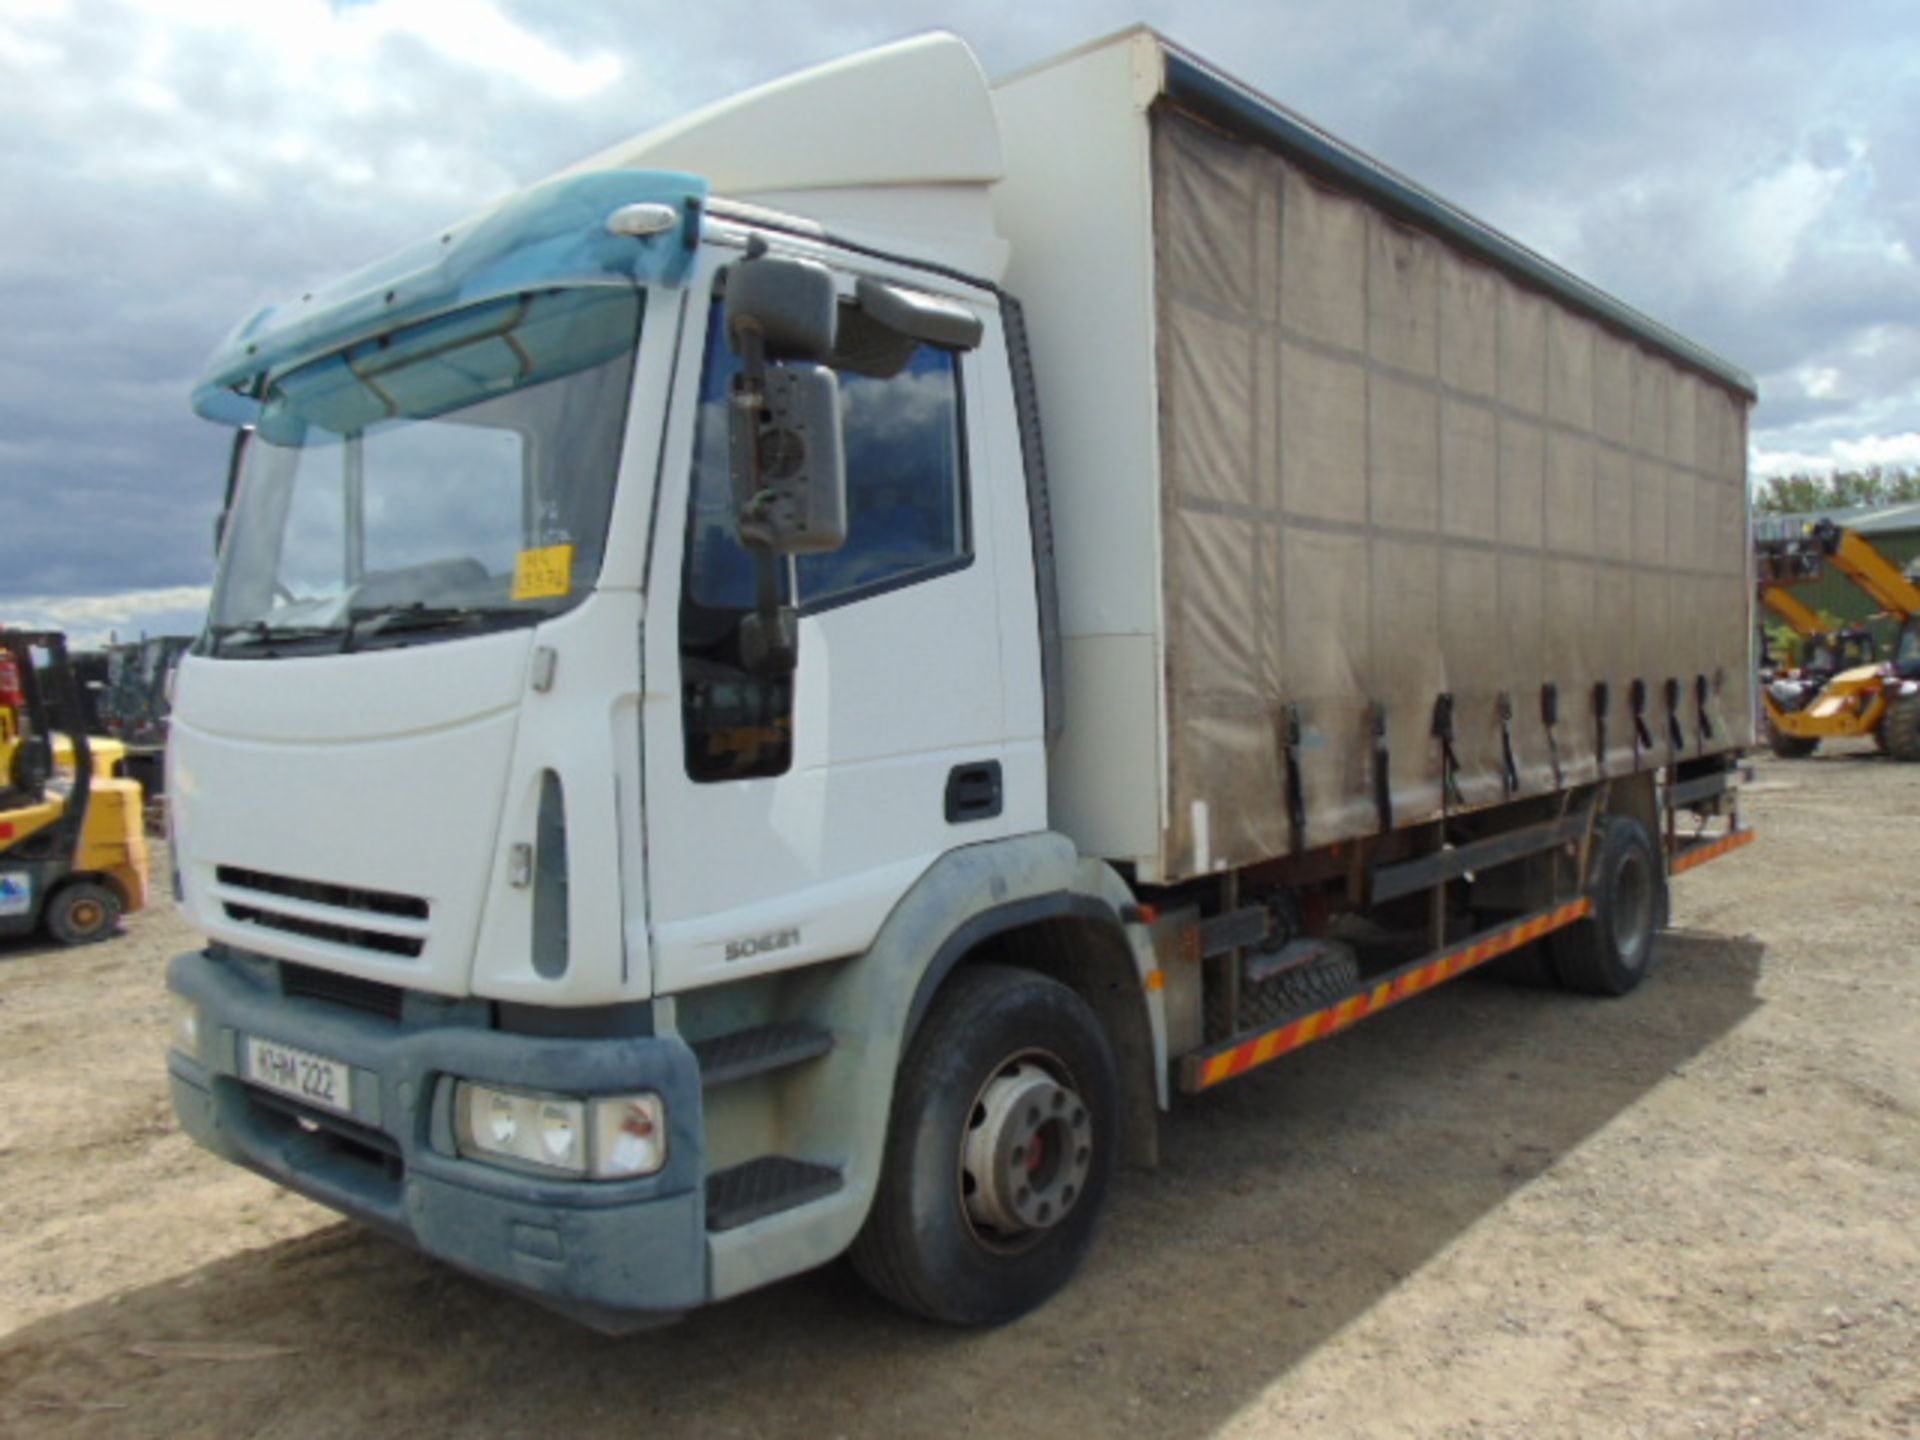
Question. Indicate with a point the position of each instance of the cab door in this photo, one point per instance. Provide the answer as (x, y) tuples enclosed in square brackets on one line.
[(787, 814)]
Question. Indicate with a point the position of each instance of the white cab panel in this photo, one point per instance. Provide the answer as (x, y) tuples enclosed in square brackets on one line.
[(916, 112), (1076, 206), (893, 692), (317, 779), (585, 728)]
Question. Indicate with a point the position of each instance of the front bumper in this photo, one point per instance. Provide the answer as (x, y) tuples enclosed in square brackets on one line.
[(615, 1254)]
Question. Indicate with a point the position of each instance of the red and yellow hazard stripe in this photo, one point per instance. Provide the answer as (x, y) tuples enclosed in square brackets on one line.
[(1208, 1068), (1713, 850)]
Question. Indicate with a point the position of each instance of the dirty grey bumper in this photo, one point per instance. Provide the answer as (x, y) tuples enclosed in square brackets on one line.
[(614, 1254)]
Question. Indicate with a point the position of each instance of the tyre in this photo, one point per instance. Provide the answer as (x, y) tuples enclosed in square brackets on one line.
[(30, 767), (1321, 982), (1000, 1148), (1609, 952), (81, 912), (1790, 747), (1316, 985), (1899, 729)]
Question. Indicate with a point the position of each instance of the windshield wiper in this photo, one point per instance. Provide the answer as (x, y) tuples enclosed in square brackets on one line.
[(259, 632), (363, 624)]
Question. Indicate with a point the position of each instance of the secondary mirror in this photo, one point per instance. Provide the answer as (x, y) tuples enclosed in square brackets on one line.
[(919, 316), (886, 324), (783, 309)]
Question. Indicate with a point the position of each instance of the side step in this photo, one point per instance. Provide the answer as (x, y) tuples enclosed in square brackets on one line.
[(743, 1053), (758, 1188)]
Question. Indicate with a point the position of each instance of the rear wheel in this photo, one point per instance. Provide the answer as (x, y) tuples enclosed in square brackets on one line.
[(82, 912), (1900, 728), (999, 1151), (1609, 952)]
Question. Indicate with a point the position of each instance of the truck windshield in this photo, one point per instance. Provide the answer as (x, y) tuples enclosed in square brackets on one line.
[(447, 478)]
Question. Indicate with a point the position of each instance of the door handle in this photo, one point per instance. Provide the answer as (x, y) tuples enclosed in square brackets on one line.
[(973, 792)]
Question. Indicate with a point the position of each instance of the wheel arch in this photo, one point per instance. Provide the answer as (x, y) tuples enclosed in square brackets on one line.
[(105, 878), (1081, 942), (1633, 797)]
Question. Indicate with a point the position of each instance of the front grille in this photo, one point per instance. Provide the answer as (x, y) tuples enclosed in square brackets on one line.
[(325, 930), (303, 982), (319, 892), (375, 921)]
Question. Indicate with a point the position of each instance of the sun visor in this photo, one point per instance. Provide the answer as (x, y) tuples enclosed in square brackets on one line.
[(552, 236)]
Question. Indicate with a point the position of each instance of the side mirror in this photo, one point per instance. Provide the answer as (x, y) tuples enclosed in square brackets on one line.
[(789, 474)]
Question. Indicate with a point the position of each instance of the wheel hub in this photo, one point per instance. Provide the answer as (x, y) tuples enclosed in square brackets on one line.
[(1028, 1149)]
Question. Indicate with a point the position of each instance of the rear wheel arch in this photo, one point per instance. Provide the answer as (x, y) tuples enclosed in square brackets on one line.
[(1634, 797)]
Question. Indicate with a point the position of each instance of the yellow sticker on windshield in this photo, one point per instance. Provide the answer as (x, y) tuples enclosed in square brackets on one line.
[(544, 573)]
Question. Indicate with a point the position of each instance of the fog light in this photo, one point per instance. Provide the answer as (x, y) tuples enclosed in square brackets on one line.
[(629, 1135), (185, 1032)]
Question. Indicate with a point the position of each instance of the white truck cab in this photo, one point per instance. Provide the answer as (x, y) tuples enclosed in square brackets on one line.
[(473, 784)]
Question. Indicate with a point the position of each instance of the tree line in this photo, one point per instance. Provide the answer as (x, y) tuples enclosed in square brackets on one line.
[(1799, 492)]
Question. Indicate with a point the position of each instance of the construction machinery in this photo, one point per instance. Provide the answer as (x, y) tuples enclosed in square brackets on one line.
[(1842, 686), (73, 850), (1824, 649), (133, 705)]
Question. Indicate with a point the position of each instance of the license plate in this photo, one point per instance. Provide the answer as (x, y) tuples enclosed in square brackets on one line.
[(301, 1074)]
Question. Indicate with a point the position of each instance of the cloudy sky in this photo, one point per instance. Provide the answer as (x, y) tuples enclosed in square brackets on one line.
[(1746, 170)]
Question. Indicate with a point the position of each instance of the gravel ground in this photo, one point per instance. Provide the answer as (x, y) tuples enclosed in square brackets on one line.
[(1493, 1212)]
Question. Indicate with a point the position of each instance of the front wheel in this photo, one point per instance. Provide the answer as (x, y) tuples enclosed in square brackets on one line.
[(999, 1151)]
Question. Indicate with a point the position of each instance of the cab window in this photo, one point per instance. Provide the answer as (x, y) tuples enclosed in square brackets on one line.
[(907, 521)]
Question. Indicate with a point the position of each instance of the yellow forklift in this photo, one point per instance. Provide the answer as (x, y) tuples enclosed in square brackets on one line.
[(73, 847), (1842, 687)]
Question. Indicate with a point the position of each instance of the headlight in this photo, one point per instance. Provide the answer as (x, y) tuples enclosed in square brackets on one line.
[(184, 1033), (607, 1137)]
